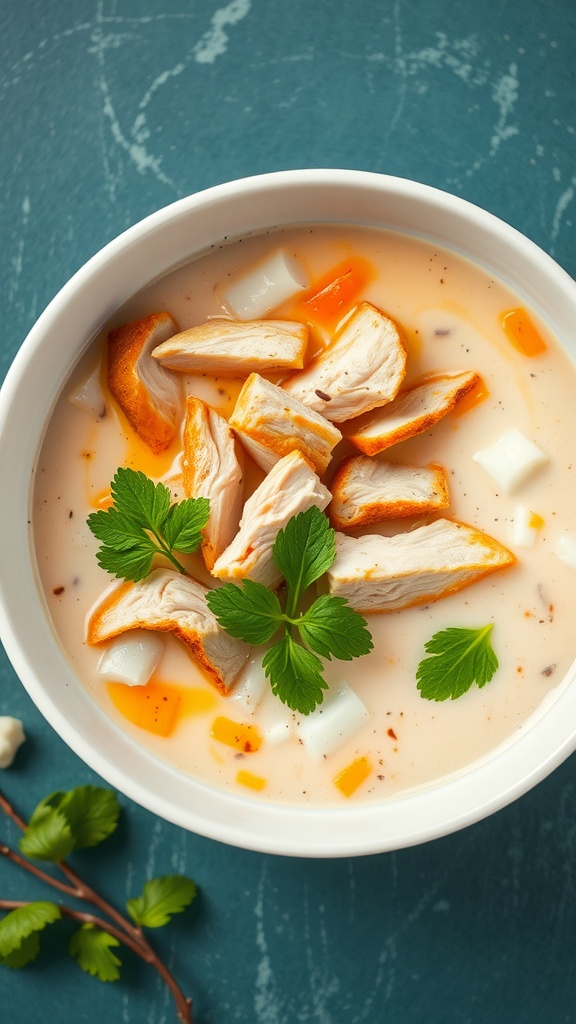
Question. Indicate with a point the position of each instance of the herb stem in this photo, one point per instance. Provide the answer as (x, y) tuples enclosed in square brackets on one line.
[(130, 935)]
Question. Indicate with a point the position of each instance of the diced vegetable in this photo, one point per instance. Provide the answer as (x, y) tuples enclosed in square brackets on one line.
[(154, 707), (566, 549), (351, 777), (89, 396), (524, 527), (250, 685), (511, 460), (242, 737), (249, 780), (336, 720), (265, 287), (522, 333), (11, 737), (275, 720), (131, 658), (478, 394), (337, 290)]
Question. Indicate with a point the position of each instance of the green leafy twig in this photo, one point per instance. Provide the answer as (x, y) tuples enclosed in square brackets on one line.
[(77, 819), (303, 551), (142, 522)]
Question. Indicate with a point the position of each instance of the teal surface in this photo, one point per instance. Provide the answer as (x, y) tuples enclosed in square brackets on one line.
[(111, 110)]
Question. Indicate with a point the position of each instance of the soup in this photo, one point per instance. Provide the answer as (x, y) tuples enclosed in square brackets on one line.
[(451, 315)]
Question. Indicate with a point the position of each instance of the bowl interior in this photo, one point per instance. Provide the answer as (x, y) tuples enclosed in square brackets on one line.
[(140, 255)]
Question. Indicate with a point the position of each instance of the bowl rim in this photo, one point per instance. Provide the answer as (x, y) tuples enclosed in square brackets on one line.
[(291, 830)]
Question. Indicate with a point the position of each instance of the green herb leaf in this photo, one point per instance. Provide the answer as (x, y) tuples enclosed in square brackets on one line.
[(184, 524), (48, 835), (304, 549), (142, 523), (92, 814), (19, 932), (91, 948), (295, 675), (458, 658), (64, 821), (26, 953), (249, 612), (333, 629), (160, 899)]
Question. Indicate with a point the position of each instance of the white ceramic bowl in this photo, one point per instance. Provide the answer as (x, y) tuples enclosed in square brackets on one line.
[(41, 367)]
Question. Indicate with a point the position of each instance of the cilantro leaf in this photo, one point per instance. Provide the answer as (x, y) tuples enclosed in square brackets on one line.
[(160, 899), (332, 628), (26, 953), (92, 814), (142, 523), (295, 675), (91, 948), (249, 612), (458, 658), (19, 932), (304, 549), (184, 524), (140, 499), (74, 819), (48, 835)]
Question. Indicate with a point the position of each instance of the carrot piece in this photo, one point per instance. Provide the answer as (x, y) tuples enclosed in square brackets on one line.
[(154, 707), (351, 777), (333, 293), (242, 737), (522, 333), (251, 781), (479, 393)]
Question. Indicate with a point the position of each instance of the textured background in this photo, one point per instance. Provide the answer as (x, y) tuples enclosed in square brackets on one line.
[(111, 110)]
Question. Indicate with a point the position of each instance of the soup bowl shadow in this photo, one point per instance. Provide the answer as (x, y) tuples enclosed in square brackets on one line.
[(47, 357)]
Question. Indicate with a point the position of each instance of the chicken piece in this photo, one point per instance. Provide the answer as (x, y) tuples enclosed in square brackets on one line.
[(148, 393), (368, 490), (362, 368), (385, 574), (274, 420), (412, 412), (290, 487), (211, 469), (235, 348), (170, 602)]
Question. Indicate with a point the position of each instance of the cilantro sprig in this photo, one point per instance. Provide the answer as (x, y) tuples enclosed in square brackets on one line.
[(78, 819), (458, 658), (142, 522), (303, 551)]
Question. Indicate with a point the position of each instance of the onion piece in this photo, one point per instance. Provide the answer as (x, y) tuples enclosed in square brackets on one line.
[(272, 282), (89, 396), (333, 722), (566, 549), (511, 460), (251, 683), (131, 658)]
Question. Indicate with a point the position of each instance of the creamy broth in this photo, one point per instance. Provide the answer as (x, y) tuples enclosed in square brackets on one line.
[(450, 310)]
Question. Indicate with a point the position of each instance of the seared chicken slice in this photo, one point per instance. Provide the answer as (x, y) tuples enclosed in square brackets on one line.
[(170, 602), (368, 490), (235, 348), (148, 393), (273, 419), (211, 469), (290, 487), (362, 368), (412, 412), (384, 574)]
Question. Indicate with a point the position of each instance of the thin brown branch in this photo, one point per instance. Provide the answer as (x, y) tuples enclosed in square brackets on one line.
[(129, 934)]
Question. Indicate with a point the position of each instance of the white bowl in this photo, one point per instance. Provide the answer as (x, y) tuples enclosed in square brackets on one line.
[(41, 367)]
